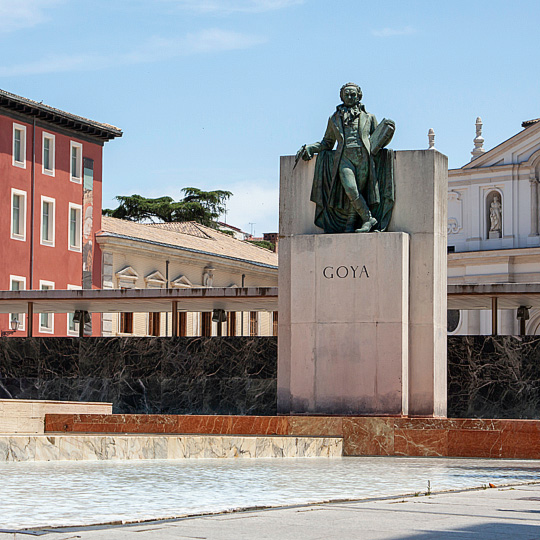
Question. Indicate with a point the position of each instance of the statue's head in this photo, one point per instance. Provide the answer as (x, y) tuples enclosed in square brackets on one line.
[(350, 94)]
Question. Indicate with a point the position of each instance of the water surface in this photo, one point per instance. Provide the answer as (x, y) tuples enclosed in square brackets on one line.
[(38, 494)]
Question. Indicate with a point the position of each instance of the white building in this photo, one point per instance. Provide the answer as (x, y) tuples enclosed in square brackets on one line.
[(493, 224), (182, 255)]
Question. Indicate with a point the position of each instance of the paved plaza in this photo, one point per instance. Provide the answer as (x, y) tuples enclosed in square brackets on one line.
[(494, 513)]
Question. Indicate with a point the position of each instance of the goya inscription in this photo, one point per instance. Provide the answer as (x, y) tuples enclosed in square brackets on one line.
[(344, 272)]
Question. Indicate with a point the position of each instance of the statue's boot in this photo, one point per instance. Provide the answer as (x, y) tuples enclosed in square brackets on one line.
[(363, 210), (350, 227)]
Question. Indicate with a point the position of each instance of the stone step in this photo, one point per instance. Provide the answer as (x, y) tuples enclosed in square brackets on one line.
[(122, 447)]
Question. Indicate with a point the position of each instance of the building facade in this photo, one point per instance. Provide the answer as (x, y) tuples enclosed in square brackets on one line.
[(493, 225), (50, 192), (182, 255)]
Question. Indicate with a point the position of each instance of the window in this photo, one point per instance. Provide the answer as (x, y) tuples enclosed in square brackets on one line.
[(76, 162), (206, 323), (231, 323), (253, 324), (72, 326), (17, 283), (154, 322), (47, 221), (19, 145), (274, 323), (18, 214), (182, 324), (47, 162), (126, 323), (46, 320), (75, 211)]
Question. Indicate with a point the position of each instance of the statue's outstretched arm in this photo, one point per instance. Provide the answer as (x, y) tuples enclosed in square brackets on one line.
[(308, 150)]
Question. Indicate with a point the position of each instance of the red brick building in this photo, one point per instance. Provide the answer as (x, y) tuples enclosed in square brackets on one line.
[(50, 192)]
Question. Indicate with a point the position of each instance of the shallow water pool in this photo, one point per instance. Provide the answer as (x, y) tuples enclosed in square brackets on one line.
[(34, 495)]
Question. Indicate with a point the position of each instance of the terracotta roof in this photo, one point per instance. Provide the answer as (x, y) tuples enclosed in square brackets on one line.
[(189, 236), (186, 227), (56, 116), (528, 123)]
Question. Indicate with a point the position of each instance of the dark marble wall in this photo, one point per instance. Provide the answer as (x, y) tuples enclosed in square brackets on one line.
[(494, 377), (488, 377), (145, 375)]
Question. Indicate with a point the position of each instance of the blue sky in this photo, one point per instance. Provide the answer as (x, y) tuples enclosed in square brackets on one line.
[(210, 93)]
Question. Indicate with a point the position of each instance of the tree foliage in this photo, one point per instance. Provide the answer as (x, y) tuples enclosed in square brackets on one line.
[(263, 243), (197, 205)]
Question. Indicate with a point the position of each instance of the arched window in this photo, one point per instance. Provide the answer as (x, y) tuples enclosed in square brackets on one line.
[(453, 318)]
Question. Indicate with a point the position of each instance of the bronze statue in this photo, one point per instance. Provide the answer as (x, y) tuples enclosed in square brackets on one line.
[(353, 186)]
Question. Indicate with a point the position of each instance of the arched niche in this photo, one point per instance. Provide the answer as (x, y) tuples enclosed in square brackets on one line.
[(532, 327), (453, 320), (494, 214)]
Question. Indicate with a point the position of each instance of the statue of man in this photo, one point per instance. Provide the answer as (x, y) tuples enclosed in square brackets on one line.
[(495, 215), (353, 187)]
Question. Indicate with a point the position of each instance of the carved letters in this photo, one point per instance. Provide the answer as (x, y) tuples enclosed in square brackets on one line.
[(343, 272)]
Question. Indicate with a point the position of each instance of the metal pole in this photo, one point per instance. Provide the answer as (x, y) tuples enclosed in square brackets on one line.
[(494, 316), (32, 205), (167, 313), (30, 328), (219, 328), (174, 318), (242, 314)]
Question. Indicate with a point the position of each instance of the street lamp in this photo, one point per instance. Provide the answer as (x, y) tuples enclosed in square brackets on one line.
[(14, 323)]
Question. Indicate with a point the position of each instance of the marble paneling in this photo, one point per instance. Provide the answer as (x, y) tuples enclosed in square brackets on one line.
[(488, 377), (420, 442), (368, 436), (494, 376), (327, 426), (145, 375), (120, 447), (474, 443), (455, 437)]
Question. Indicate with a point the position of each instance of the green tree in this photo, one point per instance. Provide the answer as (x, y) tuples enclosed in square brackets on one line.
[(197, 205)]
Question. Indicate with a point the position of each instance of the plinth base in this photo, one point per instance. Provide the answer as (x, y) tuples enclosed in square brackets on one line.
[(343, 324)]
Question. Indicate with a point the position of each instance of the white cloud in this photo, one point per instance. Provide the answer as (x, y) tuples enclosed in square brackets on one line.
[(153, 50), (390, 32), (16, 14), (225, 7), (256, 203)]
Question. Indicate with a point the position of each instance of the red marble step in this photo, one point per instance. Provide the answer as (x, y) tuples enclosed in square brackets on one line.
[(459, 437)]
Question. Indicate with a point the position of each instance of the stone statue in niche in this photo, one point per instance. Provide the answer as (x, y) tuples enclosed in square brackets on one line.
[(353, 186), (208, 276), (495, 218)]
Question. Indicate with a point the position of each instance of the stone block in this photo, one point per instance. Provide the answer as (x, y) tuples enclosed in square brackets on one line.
[(346, 348), (421, 178), (296, 211)]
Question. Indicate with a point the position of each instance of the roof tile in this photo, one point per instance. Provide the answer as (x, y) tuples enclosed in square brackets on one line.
[(189, 235)]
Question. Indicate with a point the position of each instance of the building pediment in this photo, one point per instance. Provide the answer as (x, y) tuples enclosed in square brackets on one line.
[(155, 279), (181, 282), (127, 277), (519, 148), (127, 273)]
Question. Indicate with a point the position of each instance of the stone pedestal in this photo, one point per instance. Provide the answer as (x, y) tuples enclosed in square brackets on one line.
[(343, 324), (325, 324), (421, 211)]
